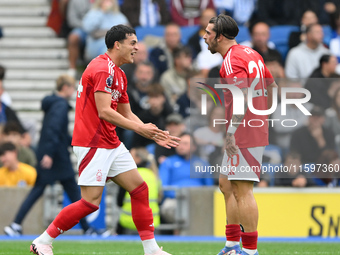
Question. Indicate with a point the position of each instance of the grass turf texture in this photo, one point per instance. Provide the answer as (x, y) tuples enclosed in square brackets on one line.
[(175, 248)]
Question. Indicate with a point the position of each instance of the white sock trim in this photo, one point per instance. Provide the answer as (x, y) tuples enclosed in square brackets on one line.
[(150, 246), (250, 252), (231, 243), (44, 238)]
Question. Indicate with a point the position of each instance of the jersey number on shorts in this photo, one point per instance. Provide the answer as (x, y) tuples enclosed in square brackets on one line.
[(234, 160), (259, 67)]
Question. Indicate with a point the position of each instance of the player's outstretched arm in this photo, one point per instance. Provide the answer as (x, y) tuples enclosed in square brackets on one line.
[(105, 112), (125, 110)]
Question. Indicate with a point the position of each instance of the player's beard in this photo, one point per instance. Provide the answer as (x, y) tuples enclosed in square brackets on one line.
[(213, 46)]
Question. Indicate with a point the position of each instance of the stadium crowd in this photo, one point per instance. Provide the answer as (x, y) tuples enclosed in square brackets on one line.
[(161, 88)]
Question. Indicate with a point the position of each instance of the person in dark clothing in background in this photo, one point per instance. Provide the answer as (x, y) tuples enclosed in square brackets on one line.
[(318, 85), (311, 140), (54, 163)]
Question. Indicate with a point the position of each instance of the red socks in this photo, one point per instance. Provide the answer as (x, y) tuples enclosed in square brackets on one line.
[(233, 232), (141, 212), (70, 216), (249, 240)]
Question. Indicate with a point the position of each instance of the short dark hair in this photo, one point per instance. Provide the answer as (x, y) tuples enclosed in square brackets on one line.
[(12, 126), (324, 59), (224, 25), (8, 146), (156, 90), (117, 34), (309, 27), (182, 50), (2, 72)]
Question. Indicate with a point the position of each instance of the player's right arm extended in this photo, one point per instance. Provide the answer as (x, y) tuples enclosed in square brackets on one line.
[(105, 112), (270, 94)]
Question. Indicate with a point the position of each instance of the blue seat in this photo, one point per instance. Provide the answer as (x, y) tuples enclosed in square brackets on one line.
[(243, 34), (280, 36)]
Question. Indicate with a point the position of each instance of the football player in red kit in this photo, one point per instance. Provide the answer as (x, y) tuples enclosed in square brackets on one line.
[(244, 68), (102, 104)]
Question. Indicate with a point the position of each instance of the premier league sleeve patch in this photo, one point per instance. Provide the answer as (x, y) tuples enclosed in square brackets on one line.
[(109, 81)]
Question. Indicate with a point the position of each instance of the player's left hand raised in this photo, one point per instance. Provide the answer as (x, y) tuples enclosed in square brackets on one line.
[(170, 141), (231, 147)]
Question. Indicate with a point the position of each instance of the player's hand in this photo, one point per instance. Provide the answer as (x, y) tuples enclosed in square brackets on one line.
[(46, 162), (171, 141), (151, 131), (231, 147)]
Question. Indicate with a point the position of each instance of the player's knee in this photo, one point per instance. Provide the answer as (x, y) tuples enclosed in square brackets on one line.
[(241, 189)]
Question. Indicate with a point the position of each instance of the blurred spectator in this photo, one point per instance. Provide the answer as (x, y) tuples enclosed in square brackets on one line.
[(181, 170), (14, 173), (143, 77), (103, 15), (187, 13), (283, 134), (296, 37), (278, 12), (294, 177), (174, 124), (54, 163), (142, 55), (1, 34), (311, 140), (76, 11), (318, 83), (174, 79), (183, 103), (147, 168), (275, 67), (146, 13), (304, 58), (240, 10), (260, 33), (159, 109), (210, 138), (195, 40), (4, 96), (161, 56), (333, 118), (11, 133), (329, 174), (57, 18), (334, 44)]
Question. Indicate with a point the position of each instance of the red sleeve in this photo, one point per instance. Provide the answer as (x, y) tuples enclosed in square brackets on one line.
[(103, 82), (234, 72), (124, 99)]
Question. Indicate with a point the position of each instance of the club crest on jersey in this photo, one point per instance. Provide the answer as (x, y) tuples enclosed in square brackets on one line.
[(99, 176), (115, 95)]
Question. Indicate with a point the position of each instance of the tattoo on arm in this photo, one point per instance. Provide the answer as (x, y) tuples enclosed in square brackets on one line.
[(239, 118)]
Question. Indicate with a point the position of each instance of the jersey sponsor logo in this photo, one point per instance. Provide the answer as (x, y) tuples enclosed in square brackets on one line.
[(99, 176), (115, 95), (122, 82)]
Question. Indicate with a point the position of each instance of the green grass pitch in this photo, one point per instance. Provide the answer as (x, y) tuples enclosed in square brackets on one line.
[(175, 248)]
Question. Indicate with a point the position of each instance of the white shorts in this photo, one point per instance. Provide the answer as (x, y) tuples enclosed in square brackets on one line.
[(96, 165), (245, 166)]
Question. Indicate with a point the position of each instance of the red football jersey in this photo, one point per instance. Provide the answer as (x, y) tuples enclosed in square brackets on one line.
[(241, 65), (89, 130)]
